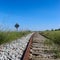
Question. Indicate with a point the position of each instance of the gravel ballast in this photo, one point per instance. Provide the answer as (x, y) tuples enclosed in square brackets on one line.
[(15, 49)]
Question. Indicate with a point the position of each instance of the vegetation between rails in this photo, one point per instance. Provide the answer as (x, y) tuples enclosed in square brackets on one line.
[(10, 36)]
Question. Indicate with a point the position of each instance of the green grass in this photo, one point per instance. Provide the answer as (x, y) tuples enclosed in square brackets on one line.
[(10, 36), (52, 35), (48, 42), (53, 39)]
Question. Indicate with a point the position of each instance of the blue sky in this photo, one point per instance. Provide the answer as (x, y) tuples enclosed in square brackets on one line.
[(30, 14)]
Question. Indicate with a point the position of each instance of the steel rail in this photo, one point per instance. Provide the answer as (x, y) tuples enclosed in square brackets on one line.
[(26, 53)]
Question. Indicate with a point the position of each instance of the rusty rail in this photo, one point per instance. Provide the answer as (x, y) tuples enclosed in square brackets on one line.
[(27, 50)]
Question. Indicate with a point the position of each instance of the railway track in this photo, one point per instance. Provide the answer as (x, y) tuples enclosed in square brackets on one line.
[(31, 47), (37, 50)]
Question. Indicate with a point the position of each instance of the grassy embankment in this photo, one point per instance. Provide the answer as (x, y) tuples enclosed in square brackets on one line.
[(53, 39), (10, 36)]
